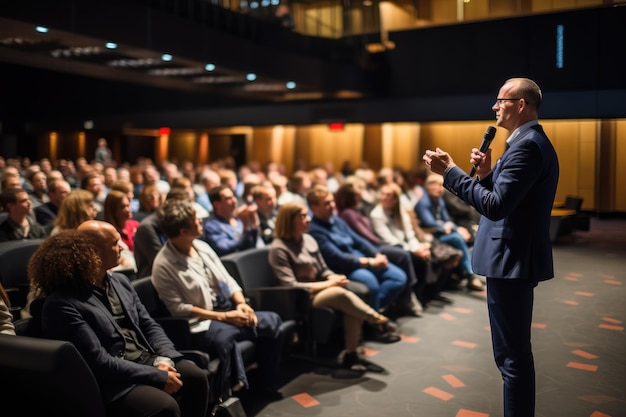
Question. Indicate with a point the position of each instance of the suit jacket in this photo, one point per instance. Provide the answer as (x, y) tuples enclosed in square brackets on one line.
[(515, 201), (81, 318), (46, 214), (148, 239), (340, 245)]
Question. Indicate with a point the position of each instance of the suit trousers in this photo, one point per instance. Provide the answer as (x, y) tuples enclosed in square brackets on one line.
[(510, 305)]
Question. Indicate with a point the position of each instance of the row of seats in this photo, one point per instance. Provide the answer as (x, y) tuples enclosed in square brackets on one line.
[(250, 268)]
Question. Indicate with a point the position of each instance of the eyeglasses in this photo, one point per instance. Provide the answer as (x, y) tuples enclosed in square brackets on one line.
[(500, 101)]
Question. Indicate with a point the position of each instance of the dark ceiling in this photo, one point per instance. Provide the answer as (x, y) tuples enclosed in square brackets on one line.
[(71, 65)]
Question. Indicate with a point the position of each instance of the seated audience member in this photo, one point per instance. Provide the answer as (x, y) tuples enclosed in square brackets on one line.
[(6, 317), (77, 207), (299, 185), (149, 238), (209, 179), (149, 200), (231, 228), (186, 184), (264, 196), (151, 176), (47, 212), (350, 208), (346, 252), (127, 188), (297, 262), (38, 192), (433, 217), (463, 215), (137, 367), (20, 223), (393, 225), (117, 212), (192, 282), (92, 182)]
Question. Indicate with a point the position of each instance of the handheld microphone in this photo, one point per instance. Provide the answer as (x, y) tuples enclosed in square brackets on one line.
[(487, 138)]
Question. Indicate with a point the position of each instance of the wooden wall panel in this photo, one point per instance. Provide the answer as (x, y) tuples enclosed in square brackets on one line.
[(620, 167)]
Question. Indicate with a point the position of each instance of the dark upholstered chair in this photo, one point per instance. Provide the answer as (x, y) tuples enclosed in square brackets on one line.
[(47, 377), (252, 270), (14, 257)]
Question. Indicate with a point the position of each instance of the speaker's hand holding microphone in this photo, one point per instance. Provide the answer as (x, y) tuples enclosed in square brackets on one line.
[(481, 157)]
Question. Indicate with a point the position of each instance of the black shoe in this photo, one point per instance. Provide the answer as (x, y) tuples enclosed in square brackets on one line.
[(269, 394), (354, 362), (443, 299)]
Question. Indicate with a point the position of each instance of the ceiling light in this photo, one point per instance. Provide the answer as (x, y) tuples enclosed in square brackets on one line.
[(265, 3), (254, 4), (41, 29), (275, 2), (209, 67), (110, 45), (251, 76), (166, 57), (290, 85), (367, 3)]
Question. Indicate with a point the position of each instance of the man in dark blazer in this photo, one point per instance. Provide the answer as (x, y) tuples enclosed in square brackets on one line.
[(512, 247), (138, 369)]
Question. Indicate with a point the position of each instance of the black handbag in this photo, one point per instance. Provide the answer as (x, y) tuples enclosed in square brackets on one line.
[(230, 407)]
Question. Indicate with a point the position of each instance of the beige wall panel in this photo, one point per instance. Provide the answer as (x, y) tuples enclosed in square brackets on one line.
[(404, 146), (476, 9), (182, 146), (620, 166), (318, 145), (396, 16), (261, 145), (565, 137), (443, 11)]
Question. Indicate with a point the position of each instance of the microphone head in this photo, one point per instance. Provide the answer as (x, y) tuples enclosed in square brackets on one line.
[(490, 133)]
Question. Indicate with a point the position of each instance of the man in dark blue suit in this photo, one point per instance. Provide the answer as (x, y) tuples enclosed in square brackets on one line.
[(512, 246)]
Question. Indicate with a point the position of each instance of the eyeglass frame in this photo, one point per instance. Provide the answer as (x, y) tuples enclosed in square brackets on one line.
[(500, 101)]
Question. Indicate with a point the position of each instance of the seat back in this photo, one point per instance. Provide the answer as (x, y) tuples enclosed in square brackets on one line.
[(251, 268), (47, 377), (150, 298), (14, 258), (573, 203)]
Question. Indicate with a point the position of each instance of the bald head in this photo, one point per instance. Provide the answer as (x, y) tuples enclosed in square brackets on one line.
[(106, 240)]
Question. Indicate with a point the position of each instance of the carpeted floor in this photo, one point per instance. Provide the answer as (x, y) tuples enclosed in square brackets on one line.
[(443, 366)]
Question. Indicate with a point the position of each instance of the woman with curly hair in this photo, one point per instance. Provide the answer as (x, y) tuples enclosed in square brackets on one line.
[(77, 207), (135, 363)]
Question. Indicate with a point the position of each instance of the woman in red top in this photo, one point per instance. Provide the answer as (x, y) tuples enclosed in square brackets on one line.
[(117, 212)]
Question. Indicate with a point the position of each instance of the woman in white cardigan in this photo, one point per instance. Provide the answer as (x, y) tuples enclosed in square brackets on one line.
[(393, 225)]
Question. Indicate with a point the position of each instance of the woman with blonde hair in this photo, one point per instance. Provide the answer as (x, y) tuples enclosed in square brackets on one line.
[(77, 207), (297, 262)]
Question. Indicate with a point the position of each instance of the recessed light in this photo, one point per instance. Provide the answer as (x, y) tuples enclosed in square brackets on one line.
[(209, 67), (166, 57), (110, 45), (41, 29), (290, 85), (251, 76)]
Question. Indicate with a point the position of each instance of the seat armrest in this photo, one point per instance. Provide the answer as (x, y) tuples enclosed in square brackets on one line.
[(291, 303)]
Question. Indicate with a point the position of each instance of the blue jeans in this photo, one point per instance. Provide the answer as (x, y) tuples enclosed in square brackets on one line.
[(385, 285), (455, 240)]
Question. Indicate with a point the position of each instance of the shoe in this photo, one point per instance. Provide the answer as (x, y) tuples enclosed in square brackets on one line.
[(385, 337), (415, 308), (353, 362), (271, 395), (475, 284), (443, 299)]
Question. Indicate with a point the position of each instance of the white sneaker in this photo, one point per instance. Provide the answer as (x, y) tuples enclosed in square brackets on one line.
[(415, 307)]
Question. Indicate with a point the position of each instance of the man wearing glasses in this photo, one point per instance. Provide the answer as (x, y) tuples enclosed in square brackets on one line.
[(512, 246)]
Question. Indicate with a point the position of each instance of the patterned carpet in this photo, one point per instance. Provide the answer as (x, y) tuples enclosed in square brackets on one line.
[(443, 366)]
